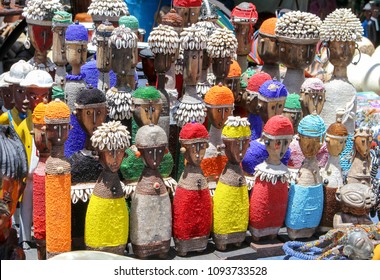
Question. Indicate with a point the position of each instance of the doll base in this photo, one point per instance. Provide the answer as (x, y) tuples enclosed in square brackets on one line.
[(118, 250), (197, 244), (270, 232), (222, 240), (160, 248), (300, 233)]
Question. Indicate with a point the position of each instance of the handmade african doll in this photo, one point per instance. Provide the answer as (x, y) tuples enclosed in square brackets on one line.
[(37, 85), (57, 180), (336, 136), (107, 220), (360, 171), (189, 10), (268, 48), (340, 30), (305, 203), (298, 34), (90, 112), (231, 202), (220, 103), (192, 204), (271, 98), (39, 213), (355, 200), (151, 217), (112, 10), (76, 39), (244, 16), (39, 15), (19, 112), (269, 197)]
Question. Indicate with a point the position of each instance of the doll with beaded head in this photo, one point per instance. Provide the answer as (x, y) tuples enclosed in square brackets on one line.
[(361, 163), (90, 112), (192, 204), (220, 103), (151, 214), (231, 202), (312, 96), (336, 136), (270, 102), (233, 83), (269, 196), (107, 220), (305, 202), (57, 180)]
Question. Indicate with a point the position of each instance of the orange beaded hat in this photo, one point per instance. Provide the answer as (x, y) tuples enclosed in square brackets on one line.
[(57, 112), (219, 95)]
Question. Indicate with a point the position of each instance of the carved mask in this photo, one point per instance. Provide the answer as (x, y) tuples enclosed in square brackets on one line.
[(153, 156), (310, 145), (91, 116), (363, 145), (40, 139), (294, 117), (36, 95), (195, 152), (341, 53), (312, 101), (76, 54), (147, 113), (192, 66), (121, 60), (268, 109), (7, 94), (276, 148), (57, 133), (19, 94), (335, 146)]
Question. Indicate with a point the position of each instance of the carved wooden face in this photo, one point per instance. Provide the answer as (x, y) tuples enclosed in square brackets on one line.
[(90, 118), (7, 94), (252, 104), (310, 145), (335, 146), (363, 145), (312, 101), (234, 85), (145, 114), (121, 60), (195, 152), (294, 117), (59, 52), (341, 53), (235, 149), (153, 156), (111, 159), (41, 37), (192, 66), (270, 109), (359, 246), (40, 139), (296, 55), (19, 94), (268, 49), (36, 95), (76, 54), (244, 38), (218, 116), (221, 67), (276, 149), (57, 133)]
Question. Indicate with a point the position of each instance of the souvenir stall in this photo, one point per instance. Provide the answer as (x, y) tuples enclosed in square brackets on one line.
[(176, 145)]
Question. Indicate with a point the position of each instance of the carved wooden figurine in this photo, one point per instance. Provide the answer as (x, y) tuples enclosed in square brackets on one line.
[(151, 214), (361, 163), (356, 200), (305, 203), (268, 48), (231, 202), (192, 204), (297, 44), (39, 15), (107, 219), (244, 16), (42, 145), (189, 10), (220, 103), (191, 107), (336, 137), (91, 112), (112, 10), (57, 180), (341, 39), (269, 196)]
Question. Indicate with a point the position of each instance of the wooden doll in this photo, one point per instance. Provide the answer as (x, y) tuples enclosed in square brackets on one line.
[(57, 180), (305, 204), (269, 197), (151, 214), (336, 137), (220, 103), (231, 202), (107, 218), (360, 171), (192, 204)]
